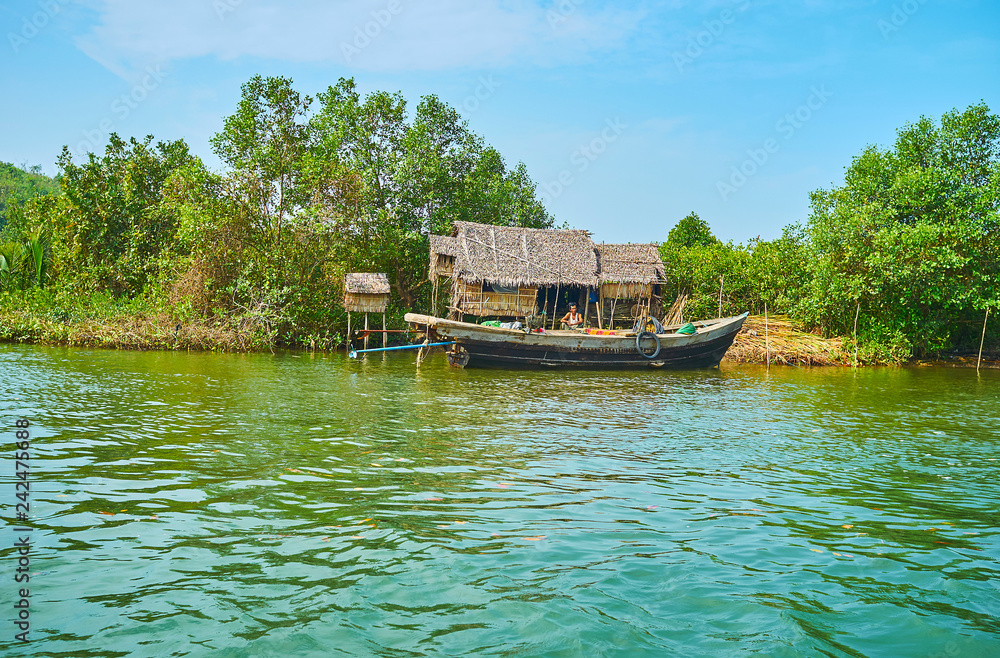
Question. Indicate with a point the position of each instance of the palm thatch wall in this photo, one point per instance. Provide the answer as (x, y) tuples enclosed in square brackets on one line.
[(366, 292), (630, 278)]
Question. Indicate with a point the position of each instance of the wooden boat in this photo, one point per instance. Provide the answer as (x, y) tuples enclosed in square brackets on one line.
[(479, 345)]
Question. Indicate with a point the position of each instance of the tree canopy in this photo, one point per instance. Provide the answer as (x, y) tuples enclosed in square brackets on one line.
[(312, 187), (910, 242), (315, 186), (691, 231), (912, 234)]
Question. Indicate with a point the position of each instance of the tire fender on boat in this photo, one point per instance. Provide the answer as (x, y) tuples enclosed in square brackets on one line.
[(638, 344)]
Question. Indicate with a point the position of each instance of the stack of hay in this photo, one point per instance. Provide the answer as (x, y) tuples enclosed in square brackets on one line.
[(788, 345)]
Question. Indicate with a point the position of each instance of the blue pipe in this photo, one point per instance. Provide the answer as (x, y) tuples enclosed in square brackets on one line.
[(354, 353)]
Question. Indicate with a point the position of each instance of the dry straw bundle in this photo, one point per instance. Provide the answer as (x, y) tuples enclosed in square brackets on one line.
[(788, 344)]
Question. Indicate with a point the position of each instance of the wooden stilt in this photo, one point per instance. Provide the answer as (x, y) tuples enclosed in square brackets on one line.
[(348, 331), (722, 283), (614, 303), (767, 340), (856, 313), (384, 335), (366, 331), (555, 307), (981, 340)]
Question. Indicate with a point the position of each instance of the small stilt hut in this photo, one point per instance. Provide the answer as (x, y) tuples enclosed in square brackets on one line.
[(366, 293), (631, 276)]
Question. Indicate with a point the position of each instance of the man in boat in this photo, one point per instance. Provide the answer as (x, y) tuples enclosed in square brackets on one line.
[(571, 320)]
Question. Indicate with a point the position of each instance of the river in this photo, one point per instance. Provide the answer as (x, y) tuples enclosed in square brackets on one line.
[(197, 504)]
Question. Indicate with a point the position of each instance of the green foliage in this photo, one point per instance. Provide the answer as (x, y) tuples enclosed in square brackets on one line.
[(748, 277), (23, 262), (109, 227), (261, 249), (911, 236), (400, 181), (692, 231)]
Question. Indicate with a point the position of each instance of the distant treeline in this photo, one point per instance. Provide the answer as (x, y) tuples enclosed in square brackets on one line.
[(18, 186), (315, 187)]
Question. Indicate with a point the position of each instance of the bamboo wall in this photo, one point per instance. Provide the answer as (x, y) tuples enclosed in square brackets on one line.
[(626, 290), (360, 303), (445, 265), (473, 301)]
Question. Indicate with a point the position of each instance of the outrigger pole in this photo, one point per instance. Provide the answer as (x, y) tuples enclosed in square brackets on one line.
[(354, 353)]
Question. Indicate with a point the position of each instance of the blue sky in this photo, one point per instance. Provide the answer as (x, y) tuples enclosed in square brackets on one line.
[(628, 115)]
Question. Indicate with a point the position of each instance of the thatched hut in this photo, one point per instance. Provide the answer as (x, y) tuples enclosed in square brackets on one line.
[(499, 270), (631, 276), (366, 292), (509, 271)]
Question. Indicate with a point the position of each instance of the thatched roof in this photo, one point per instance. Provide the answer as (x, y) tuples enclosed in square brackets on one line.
[(443, 245), (514, 256), (367, 284), (629, 263)]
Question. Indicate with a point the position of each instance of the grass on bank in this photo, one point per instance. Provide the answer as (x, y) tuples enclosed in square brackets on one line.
[(39, 316)]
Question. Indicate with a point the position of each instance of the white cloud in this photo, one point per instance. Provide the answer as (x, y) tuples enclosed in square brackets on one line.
[(372, 35)]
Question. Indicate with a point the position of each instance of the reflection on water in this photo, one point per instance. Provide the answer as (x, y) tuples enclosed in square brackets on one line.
[(292, 504)]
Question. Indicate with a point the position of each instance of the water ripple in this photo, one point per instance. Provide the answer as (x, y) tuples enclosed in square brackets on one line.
[(205, 504)]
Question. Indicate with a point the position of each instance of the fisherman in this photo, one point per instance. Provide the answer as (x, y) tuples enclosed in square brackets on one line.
[(571, 320)]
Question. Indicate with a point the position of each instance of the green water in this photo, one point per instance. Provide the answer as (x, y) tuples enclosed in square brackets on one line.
[(298, 505)]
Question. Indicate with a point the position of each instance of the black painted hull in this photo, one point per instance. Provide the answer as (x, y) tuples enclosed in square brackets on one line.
[(703, 355), (478, 345)]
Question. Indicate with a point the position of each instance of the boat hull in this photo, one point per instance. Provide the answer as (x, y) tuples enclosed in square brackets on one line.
[(490, 346)]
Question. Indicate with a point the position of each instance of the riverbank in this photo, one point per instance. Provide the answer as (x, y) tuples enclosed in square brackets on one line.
[(141, 331), (126, 332), (788, 343)]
